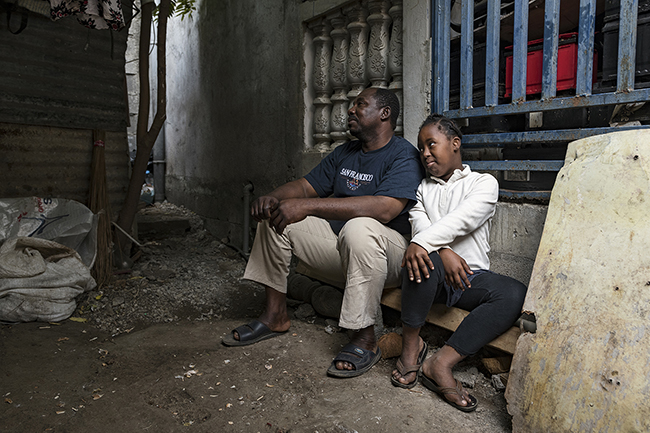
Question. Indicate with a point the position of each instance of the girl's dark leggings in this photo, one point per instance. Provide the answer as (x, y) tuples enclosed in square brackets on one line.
[(494, 302)]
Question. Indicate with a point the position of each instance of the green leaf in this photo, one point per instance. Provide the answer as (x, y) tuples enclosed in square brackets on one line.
[(182, 8)]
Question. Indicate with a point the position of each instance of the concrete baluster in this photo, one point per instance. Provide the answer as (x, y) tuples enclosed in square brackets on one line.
[(358, 50), (379, 21), (339, 79), (322, 87), (395, 62)]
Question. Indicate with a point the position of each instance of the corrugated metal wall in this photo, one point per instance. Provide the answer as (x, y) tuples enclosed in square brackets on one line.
[(45, 161), (62, 74), (58, 82)]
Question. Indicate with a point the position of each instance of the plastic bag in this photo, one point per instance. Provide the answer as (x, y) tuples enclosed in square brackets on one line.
[(67, 222)]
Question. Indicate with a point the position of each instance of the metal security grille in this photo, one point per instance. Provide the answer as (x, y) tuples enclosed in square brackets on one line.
[(493, 102)]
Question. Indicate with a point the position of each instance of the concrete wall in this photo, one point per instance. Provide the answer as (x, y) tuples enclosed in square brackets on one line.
[(234, 106), (417, 66), (131, 70), (514, 238)]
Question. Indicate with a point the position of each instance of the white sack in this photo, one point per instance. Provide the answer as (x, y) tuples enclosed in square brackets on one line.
[(39, 280)]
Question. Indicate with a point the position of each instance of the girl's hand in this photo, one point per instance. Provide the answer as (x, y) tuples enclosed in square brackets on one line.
[(417, 262), (456, 269)]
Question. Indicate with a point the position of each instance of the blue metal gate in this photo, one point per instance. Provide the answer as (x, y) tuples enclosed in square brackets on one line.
[(547, 100)]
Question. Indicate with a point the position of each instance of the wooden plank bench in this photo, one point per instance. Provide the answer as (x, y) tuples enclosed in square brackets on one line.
[(440, 315), (450, 317)]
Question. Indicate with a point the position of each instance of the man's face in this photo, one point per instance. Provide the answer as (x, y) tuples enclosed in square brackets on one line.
[(364, 115), (438, 153)]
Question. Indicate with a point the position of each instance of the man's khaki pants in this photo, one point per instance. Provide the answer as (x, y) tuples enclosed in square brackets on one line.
[(365, 258)]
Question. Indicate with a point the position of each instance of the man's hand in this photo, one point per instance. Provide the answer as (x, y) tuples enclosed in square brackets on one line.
[(287, 212), (279, 213), (262, 207), (417, 261), (456, 269)]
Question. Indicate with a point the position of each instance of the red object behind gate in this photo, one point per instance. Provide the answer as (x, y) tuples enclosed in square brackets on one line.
[(567, 64)]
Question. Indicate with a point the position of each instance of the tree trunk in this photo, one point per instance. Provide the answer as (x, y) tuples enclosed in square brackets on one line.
[(145, 137)]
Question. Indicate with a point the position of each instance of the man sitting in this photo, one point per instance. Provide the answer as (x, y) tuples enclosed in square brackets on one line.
[(345, 220)]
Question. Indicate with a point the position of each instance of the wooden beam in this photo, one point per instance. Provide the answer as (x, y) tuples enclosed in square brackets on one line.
[(450, 317)]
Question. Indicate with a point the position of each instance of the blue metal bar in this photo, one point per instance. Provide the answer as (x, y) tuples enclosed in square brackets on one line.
[(538, 165), (437, 26), (520, 51), (556, 136), (483, 146), (639, 95), (586, 47), (446, 51), (466, 53), (551, 34), (440, 55), (627, 44), (534, 195), (492, 52)]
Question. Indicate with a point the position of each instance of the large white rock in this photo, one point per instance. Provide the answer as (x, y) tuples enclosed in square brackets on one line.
[(587, 368)]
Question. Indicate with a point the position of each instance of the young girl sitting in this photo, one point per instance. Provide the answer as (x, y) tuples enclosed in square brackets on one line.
[(446, 262)]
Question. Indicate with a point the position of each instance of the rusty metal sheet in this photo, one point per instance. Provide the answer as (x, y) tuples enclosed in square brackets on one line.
[(45, 161), (63, 74), (586, 368)]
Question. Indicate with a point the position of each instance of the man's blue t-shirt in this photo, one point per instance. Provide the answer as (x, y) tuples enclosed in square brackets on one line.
[(392, 171)]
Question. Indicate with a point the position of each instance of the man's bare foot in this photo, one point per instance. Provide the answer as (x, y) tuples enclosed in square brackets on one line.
[(410, 355), (439, 369), (275, 316), (274, 323), (365, 339)]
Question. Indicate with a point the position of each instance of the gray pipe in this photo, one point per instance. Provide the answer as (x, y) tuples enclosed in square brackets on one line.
[(159, 166), (526, 325), (247, 215)]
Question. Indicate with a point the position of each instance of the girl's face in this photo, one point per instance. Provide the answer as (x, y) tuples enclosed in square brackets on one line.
[(439, 154)]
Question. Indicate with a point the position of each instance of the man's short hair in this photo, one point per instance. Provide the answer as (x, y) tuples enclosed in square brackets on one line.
[(386, 98)]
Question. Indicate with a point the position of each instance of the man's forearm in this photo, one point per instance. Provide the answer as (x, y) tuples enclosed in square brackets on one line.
[(295, 189), (381, 208)]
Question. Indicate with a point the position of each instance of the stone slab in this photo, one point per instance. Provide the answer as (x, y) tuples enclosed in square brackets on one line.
[(586, 368)]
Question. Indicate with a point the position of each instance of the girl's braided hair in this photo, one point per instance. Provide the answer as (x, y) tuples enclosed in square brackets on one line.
[(445, 125)]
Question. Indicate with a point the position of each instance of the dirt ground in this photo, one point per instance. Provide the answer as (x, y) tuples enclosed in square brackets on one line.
[(143, 354)]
